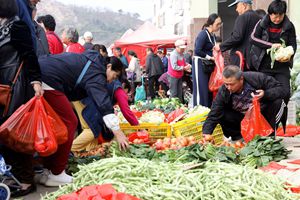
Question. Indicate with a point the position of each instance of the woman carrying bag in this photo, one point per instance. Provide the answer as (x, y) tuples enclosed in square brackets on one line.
[(203, 63), (18, 61)]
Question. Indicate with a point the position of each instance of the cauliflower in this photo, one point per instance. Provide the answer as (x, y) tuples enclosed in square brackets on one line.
[(284, 54)]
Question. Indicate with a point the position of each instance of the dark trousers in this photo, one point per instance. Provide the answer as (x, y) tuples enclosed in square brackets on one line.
[(188, 79), (283, 78), (153, 85), (231, 121), (164, 86), (22, 167)]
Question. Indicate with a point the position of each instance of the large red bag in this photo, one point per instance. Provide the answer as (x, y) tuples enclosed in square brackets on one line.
[(44, 142), (57, 125), (254, 123), (216, 77), (33, 128), (13, 132)]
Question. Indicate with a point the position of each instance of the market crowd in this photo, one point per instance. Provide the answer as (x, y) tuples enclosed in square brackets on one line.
[(82, 83)]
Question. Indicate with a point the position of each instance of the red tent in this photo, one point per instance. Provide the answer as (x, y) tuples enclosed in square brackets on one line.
[(145, 36)]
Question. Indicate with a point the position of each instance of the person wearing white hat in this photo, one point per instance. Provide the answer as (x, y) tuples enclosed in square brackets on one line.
[(176, 67), (243, 27), (88, 38)]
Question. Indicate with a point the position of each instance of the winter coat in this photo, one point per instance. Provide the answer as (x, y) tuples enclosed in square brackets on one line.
[(260, 43), (223, 101), (42, 43), (16, 46), (154, 65), (134, 66), (239, 39), (55, 44), (61, 72)]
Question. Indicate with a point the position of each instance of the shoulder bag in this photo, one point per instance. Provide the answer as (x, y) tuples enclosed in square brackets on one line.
[(6, 92)]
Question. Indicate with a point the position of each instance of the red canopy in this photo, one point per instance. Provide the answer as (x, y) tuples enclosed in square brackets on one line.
[(145, 36)]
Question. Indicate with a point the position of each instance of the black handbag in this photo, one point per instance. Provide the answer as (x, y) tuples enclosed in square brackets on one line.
[(208, 66)]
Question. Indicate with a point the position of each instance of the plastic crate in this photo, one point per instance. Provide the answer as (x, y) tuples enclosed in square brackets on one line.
[(193, 127), (155, 131)]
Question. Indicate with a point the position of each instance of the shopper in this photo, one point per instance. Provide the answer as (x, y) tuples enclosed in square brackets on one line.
[(243, 27), (61, 86), (204, 44), (16, 47), (235, 97)]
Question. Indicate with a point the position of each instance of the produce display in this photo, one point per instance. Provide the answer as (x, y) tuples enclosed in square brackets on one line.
[(165, 110), (149, 180), (157, 166), (166, 105), (262, 150)]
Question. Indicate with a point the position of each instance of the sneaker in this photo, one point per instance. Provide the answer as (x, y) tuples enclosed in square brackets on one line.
[(57, 180)]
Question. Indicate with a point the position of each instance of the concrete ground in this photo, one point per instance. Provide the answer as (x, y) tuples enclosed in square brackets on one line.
[(290, 143)]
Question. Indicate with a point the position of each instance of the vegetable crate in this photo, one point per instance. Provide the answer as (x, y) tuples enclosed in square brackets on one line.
[(155, 131), (193, 127)]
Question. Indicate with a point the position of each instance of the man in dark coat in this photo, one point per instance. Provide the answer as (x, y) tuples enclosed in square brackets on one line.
[(243, 26), (235, 97), (154, 69)]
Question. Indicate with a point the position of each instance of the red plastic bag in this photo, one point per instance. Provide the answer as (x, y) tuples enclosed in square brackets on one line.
[(58, 127), (290, 131), (174, 115), (29, 130), (216, 77), (97, 192), (44, 142), (254, 123), (123, 196), (15, 131)]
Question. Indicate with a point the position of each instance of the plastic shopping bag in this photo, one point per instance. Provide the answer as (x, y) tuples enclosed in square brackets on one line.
[(254, 123), (97, 192), (58, 127), (17, 131), (140, 92), (44, 142), (216, 77), (32, 128)]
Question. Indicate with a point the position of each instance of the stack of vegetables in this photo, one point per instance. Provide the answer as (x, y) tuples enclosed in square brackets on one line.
[(149, 180), (262, 150), (158, 111), (256, 153)]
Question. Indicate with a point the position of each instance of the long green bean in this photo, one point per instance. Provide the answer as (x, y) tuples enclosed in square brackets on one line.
[(166, 181)]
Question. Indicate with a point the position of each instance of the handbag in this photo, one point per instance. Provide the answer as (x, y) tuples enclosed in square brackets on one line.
[(208, 66), (6, 92)]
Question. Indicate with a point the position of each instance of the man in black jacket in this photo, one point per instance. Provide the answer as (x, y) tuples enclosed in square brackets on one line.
[(235, 97), (154, 69), (243, 27)]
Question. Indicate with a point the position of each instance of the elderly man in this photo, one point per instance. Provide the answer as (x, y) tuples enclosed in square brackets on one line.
[(235, 97), (176, 68), (88, 38), (70, 37), (243, 27)]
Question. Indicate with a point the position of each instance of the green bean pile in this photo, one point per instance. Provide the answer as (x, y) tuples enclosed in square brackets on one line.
[(150, 180)]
